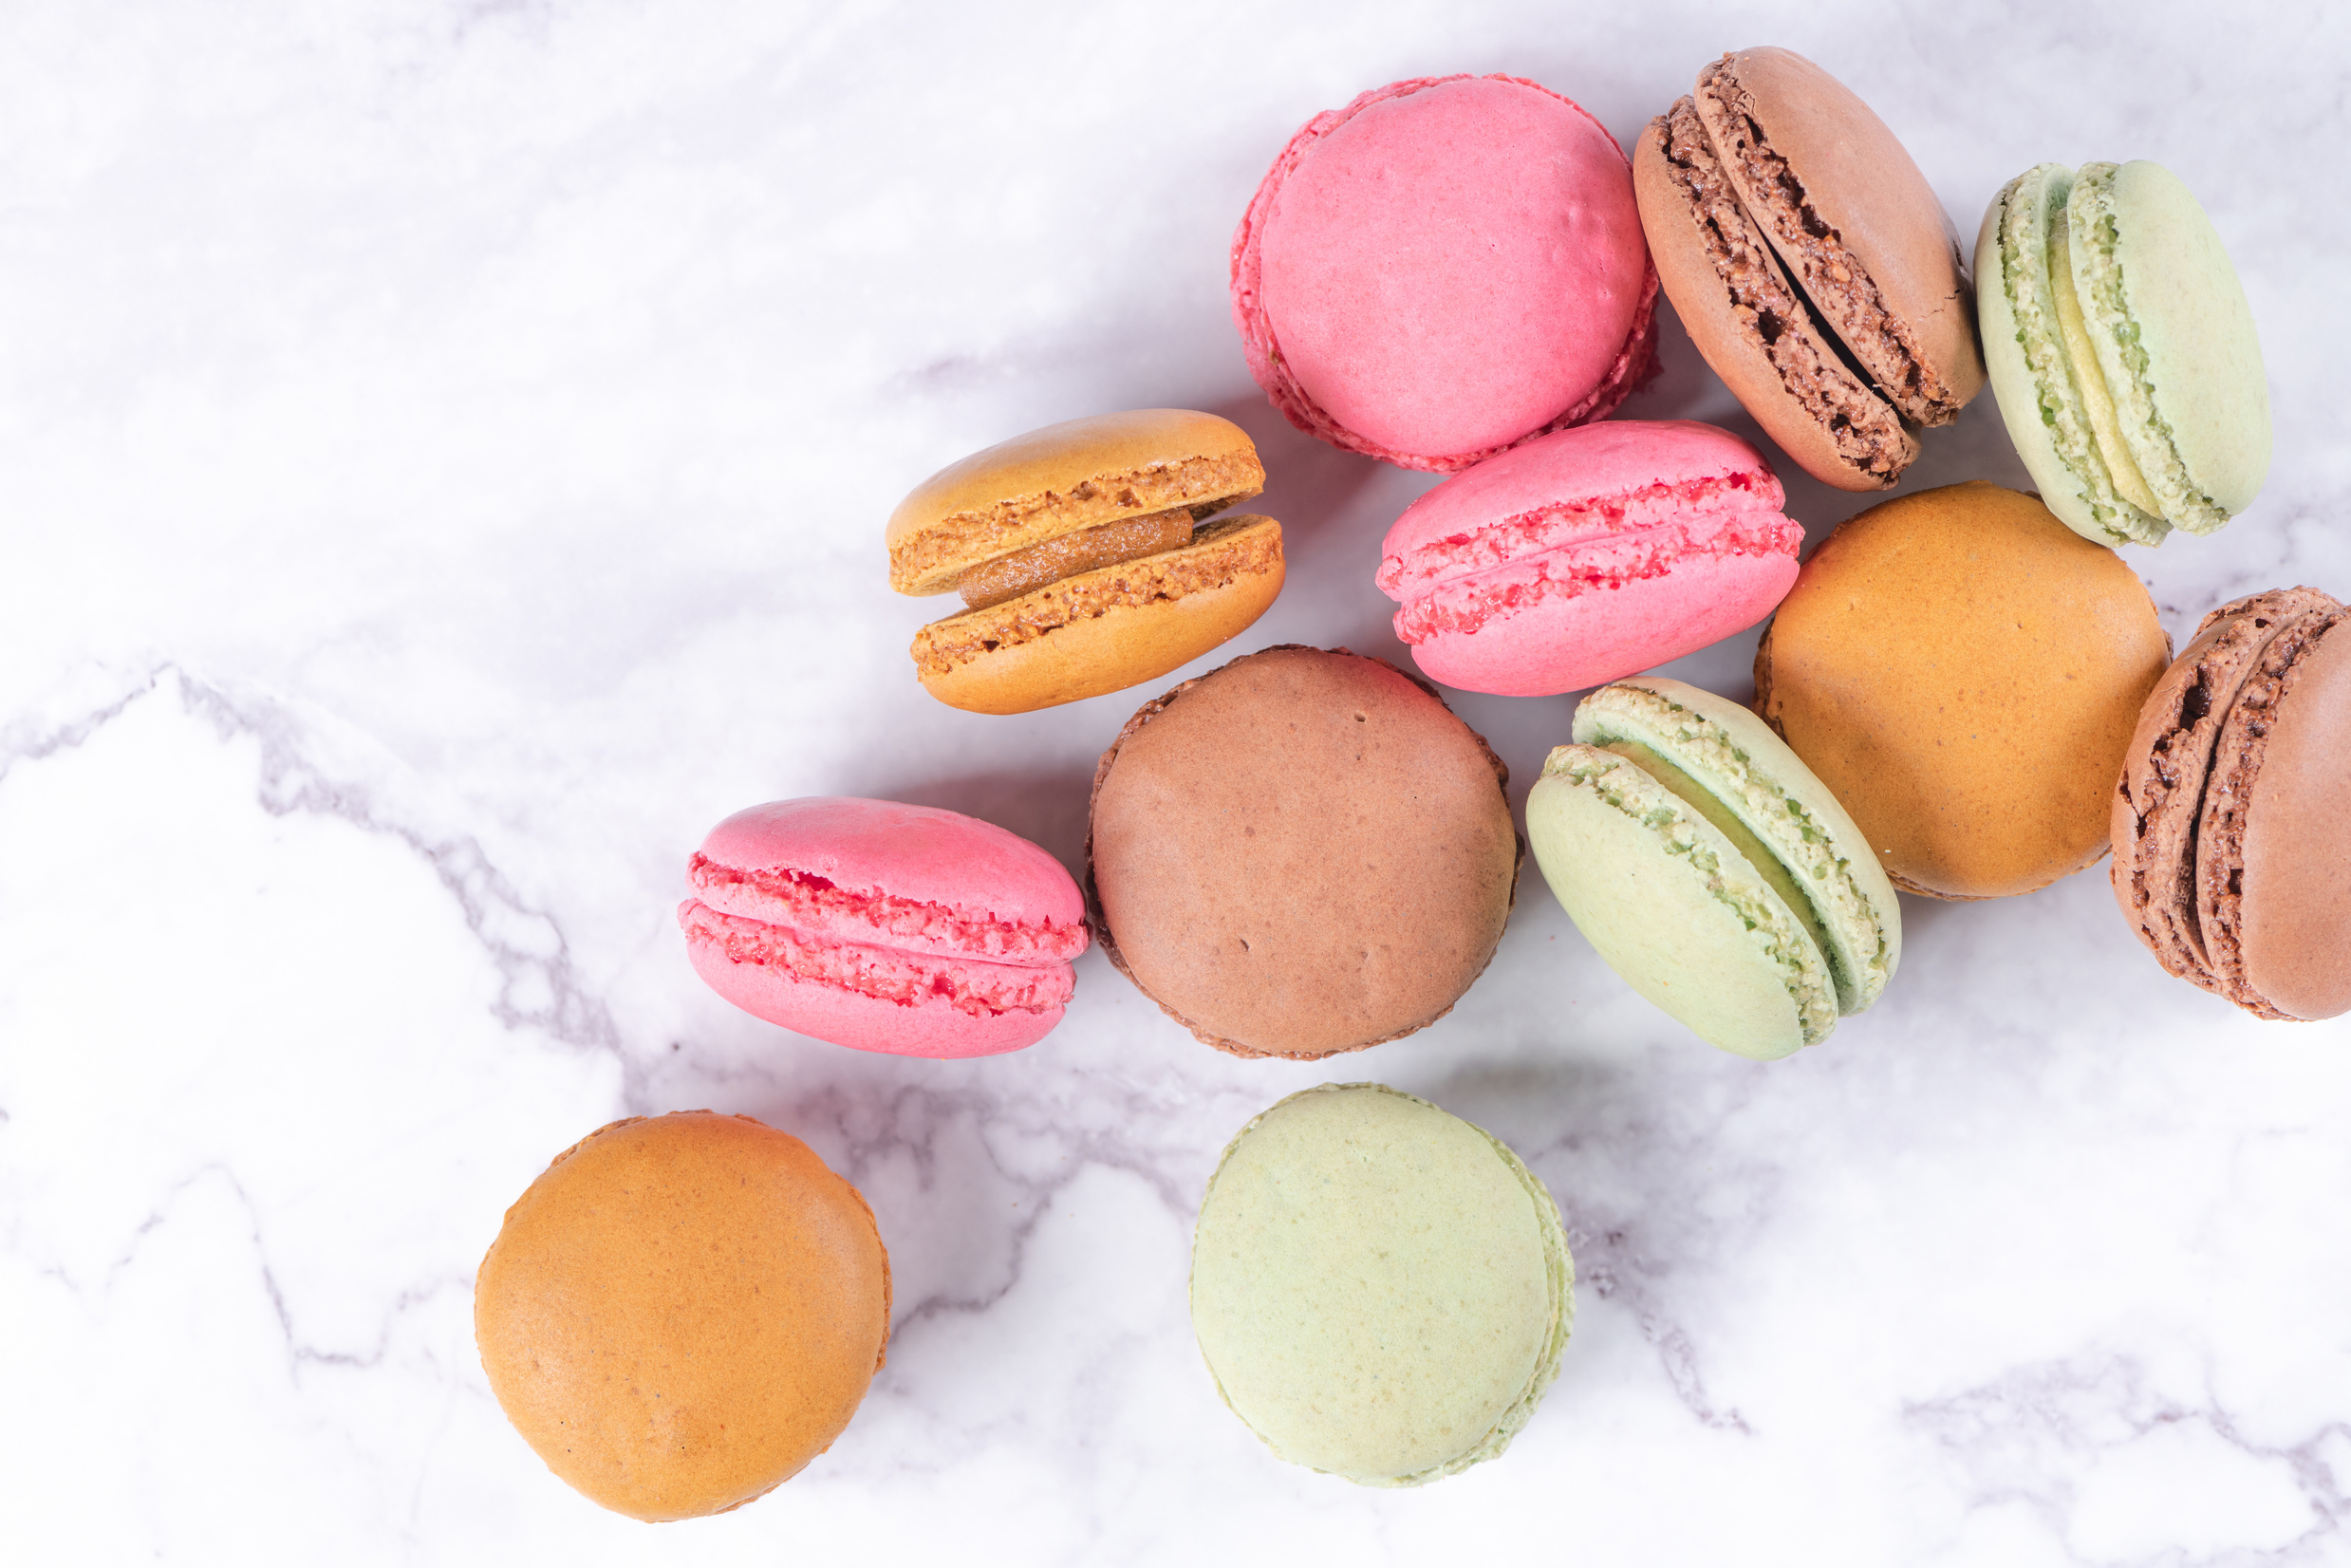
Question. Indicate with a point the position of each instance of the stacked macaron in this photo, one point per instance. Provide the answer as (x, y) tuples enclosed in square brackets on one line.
[(1964, 693)]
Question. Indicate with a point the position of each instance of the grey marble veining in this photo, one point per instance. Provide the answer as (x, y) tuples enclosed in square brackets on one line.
[(446, 449)]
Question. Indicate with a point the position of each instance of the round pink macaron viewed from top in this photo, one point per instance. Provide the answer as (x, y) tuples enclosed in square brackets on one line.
[(884, 928), (1443, 268), (1588, 556)]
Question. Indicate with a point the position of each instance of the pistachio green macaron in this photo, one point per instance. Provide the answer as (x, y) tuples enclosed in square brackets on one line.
[(2122, 351), (1381, 1290), (1712, 869)]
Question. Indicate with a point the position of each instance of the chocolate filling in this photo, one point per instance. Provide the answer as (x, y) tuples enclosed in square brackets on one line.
[(1867, 433), (1824, 266)]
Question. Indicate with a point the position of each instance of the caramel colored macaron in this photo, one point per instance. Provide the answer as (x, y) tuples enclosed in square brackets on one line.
[(1083, 559), (1965, 673), (681, 1312), (1300, 853)]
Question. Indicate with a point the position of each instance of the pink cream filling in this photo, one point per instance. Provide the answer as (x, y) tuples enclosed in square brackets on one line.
[(808, 903), (970, 985), (1459, 583)]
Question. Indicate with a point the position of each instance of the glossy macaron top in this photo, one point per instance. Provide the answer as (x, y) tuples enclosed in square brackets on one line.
[(2122, 351), (1300, 853), (911, 877), (1381, 1290), (2232, 856), (682, 1311), (1850, 215), (1964, 673), (1063, 478), (1444, 267)]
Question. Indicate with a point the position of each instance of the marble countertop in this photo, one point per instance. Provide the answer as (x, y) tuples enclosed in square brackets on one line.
[(444, 449)]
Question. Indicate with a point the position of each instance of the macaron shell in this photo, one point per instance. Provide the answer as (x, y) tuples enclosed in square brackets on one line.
[(1930, 649), (1804, 421), (1443, 268), (1846, 172), (1754, 774), (1567, 644), (681, 1312), (2175, 338), (1066, 477), (1125, 644), (1380, 1290), (922, 853), (1300, 853), (2295, 923), (934, 1027), (1674, 908)]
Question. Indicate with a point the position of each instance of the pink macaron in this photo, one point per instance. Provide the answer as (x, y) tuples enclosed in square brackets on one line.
[(1588, 556), (884, 928), (1445, 267)]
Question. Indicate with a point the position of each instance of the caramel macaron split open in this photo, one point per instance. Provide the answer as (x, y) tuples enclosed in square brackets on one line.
[(1084, 558)]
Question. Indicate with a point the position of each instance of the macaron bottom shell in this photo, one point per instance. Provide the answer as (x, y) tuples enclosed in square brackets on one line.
[(1547, 636), (1675, 908), (932, 1026)]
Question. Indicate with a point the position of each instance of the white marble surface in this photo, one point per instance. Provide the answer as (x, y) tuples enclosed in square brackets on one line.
[(443, 449)]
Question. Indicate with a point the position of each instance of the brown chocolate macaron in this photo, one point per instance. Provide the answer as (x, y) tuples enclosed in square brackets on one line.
[(1089, 557), (681, 1312), (1300, 853), (1811, 263), (1964, 672), (2233, 850)]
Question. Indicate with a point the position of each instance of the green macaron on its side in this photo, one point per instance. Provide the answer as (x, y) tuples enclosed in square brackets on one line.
[(1712, 869), (2122, 351), (1381, 1291)]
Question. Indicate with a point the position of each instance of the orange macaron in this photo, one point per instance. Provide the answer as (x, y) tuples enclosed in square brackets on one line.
[(681, 1312)]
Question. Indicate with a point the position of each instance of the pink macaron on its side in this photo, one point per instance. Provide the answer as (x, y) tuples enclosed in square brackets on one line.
[(884, 928), (1445, 267), (1588, 556)]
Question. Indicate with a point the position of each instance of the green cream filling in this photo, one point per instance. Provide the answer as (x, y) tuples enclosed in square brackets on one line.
[(2081, 356), (1739, 885)]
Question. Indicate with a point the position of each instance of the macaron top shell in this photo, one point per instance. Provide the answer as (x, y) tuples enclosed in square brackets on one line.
[(1063, 478), (912, 877), (1381, 1290), (682, 1311), (1300, 853), (1850, 215), (1932, 654), (1443, 267)]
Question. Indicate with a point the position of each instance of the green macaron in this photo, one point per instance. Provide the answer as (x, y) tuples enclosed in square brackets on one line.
[(1381, 1290), (1712, 869), (2121, 349)]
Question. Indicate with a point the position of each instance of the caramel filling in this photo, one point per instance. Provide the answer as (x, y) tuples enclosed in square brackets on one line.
[(1103, 544)]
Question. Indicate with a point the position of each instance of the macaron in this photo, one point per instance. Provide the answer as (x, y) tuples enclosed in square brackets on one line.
[(1443, 269), (1083, 557), (904, 929), (681, 1312), (1300, 853), (1811, 262), (1712, 869), (1964, 672), (1587, 555), (2122, 351), (1381, 1290), (2233, 852)]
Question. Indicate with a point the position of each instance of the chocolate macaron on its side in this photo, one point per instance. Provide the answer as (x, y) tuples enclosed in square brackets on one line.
[(1083, 557), (682, 1311), (1811, 263), (2232, 851), (1300, 853), (1964, 672)]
